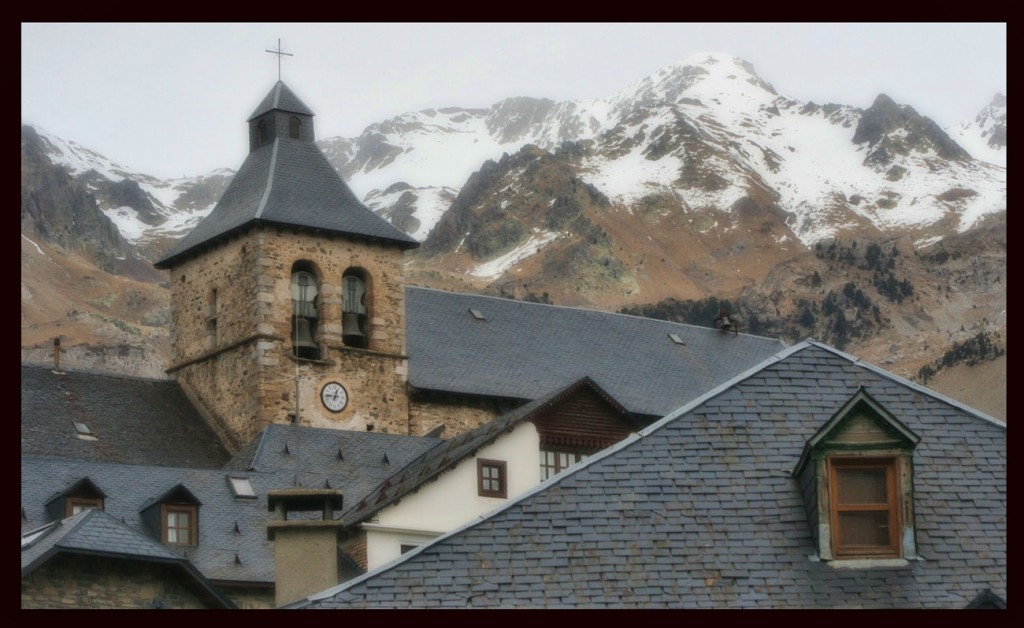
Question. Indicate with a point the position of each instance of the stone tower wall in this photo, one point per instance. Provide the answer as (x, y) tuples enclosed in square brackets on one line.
[(244, 375)]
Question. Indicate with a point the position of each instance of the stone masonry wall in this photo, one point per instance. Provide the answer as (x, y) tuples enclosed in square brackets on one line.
[(249, 597), (93, 582), (245, 377), (457, 414)]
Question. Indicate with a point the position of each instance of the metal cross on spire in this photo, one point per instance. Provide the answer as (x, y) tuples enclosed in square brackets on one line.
[(280, 53)]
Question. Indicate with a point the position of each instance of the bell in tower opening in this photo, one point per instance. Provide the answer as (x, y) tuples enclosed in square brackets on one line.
[(304, 316), (353, 318)]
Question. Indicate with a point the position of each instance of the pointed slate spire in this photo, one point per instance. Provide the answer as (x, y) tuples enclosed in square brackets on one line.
[(280, 98), (286, 180)]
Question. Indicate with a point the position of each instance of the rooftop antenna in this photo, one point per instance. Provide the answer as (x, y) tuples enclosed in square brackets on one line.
[(280, 53)]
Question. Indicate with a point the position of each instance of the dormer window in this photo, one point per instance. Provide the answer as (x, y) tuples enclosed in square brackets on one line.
[(294, 128), (179, 524), (354, 308), (304, 313), (76, 505), (80, 496), (856, 477), (174, 517), (865, 507)]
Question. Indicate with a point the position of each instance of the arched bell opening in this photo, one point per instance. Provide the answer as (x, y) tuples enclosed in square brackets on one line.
[(305, 318)]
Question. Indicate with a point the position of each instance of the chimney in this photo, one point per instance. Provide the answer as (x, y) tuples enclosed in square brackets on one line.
[(305, 550), (56, 354)]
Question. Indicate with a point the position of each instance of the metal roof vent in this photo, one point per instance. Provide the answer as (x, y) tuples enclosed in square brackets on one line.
[(477, 314), (725, 323), (676, 339)]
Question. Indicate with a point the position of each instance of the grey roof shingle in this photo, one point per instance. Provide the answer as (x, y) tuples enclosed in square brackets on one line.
[(134, 420), (97, 533), (287, 182), (351, 461), (700, 509), (523, 348), (229, 527), (130, 487)]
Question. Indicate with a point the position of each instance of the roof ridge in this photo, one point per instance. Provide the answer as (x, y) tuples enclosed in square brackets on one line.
[(73, 461), (270, 181), (87, 371), (580, 308)]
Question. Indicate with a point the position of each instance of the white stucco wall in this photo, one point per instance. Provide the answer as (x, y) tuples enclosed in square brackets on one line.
[(451, 499)]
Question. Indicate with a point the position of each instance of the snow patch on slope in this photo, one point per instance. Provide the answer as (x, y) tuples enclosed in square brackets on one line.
[(495, 267)]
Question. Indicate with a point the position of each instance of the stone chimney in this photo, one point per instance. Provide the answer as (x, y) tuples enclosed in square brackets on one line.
[(305, 550)]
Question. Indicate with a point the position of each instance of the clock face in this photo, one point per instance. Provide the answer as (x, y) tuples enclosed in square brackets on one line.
[(334, 396)]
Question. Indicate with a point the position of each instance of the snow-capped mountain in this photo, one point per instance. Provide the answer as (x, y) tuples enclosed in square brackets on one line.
[(707, 132), (149, 212), (984, 137)]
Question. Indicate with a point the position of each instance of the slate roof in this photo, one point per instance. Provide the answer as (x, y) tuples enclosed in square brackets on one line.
[(130, 487), (701, 510), (134, 420), (312, 457), (449, 453), (233, 542), (524, 348), (94, 532), (287, 182), (282, 98)]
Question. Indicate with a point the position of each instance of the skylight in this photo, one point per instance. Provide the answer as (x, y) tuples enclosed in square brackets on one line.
[(241, 487), (477, 314), (676, 339), (83, 430)]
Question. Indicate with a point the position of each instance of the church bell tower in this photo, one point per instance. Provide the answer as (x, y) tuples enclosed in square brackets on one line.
[(287, 301)]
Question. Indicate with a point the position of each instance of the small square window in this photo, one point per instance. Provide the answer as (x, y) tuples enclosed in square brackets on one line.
[(179, 524), (491, 478), (76, 505), (407, 547)]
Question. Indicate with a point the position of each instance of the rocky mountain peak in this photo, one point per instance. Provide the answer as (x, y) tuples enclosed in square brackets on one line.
[(709, 79), (992, 121), (890, 128)]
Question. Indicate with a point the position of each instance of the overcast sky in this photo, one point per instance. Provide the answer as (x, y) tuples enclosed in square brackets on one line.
[(172, 99)]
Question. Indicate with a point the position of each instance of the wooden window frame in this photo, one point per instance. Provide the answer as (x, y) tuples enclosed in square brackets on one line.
[(502, 478), (193, 521), (892, 506), (578, 457), (95, 502)]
